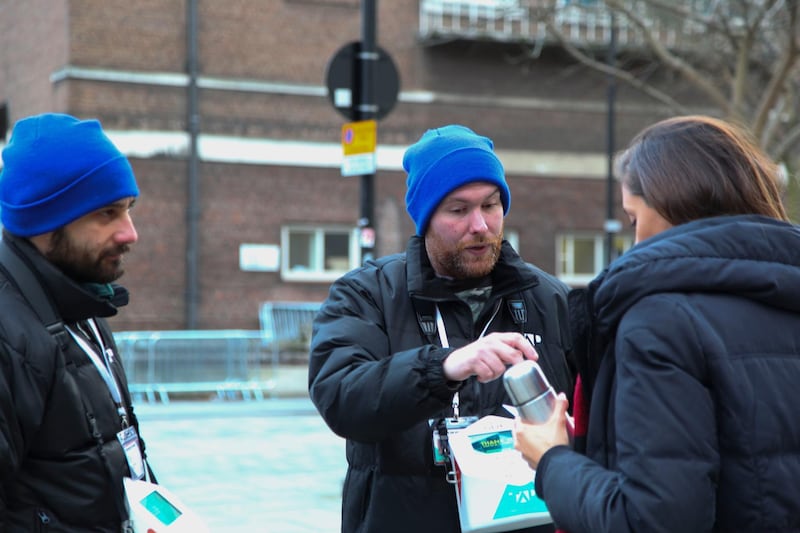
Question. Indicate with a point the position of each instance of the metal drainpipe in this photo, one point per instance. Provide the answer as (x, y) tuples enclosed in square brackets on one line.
[(611, 225), (193, 192), (367, 56)]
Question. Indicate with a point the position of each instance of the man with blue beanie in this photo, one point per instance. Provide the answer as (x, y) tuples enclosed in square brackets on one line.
[(68, 434), (412, 339)]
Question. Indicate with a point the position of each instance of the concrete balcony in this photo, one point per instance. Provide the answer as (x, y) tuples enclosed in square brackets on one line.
[(497, 20), (585, 23)]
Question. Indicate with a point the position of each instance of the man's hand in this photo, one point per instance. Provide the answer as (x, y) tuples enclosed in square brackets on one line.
[(488, 357)]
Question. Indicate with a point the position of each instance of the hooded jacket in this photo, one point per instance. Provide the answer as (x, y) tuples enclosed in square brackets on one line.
[(61, 465), (377, 379), (692, 358)]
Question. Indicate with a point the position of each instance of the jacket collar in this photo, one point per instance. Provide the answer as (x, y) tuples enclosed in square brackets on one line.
[(749, 256)]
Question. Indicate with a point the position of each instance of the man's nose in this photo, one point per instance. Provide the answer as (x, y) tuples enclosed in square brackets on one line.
[(477, 222), (126, 232)]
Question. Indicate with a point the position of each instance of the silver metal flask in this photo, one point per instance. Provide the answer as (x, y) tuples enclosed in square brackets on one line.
[(530, 392)]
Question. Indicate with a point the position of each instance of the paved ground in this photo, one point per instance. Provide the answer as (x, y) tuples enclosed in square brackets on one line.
[(250, 466)]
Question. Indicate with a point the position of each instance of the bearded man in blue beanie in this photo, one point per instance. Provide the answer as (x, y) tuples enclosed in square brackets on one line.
[(410, 340), (68, 434)]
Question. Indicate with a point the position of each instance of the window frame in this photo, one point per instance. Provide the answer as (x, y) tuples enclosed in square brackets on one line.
[(568, 275), (512, 236), (318, 273)]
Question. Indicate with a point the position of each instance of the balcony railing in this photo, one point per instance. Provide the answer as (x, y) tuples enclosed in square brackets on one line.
[(582, 22), (502, 20)]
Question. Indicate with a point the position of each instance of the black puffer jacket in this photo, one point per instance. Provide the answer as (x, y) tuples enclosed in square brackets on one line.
[(377, 379), (694, 362), (56, 475)]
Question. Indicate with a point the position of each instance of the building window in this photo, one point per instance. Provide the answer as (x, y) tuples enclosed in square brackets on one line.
[(582, 256), (313, 253), (512, 236)]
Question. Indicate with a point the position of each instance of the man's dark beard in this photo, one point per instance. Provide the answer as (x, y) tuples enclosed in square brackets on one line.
[(79, 265)]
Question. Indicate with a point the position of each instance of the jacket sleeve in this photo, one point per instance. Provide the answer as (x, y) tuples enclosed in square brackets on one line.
[(667, 454), (365, 387)]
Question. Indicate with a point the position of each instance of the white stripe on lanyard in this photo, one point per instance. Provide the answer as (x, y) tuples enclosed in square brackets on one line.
[(103, 365), (446, 344)]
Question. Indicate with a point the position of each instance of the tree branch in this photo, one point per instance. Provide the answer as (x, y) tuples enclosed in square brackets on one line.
[(780, 74), (754, 43), (672, 61), (790, 139), (618, 73)]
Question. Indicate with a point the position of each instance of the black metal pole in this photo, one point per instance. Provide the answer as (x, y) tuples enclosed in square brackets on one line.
[(367, 109), (611, 224), (193, 188)]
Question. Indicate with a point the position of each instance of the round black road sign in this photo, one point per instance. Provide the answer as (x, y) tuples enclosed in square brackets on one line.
[(343, 79)]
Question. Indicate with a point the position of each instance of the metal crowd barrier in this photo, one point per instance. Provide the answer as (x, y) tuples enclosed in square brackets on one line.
[(228, 363), (286, 326)]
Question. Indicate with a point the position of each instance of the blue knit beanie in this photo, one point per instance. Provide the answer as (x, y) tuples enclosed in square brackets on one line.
[(443, 160), (57, 169)]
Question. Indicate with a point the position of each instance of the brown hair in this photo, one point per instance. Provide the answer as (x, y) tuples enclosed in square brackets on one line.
[(693, 167)]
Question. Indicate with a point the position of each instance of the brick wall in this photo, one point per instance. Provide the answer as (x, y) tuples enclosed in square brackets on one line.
[(544, 105)]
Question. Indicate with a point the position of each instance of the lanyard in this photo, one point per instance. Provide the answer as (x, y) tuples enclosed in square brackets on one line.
[(446, 343), (103, 366)]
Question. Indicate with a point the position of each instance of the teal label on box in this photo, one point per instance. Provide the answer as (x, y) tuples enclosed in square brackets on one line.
[(492, 442), (519, 499)]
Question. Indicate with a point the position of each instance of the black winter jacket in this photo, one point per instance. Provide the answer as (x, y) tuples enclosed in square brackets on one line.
[(61, 465), (377, 379), (694, 362)]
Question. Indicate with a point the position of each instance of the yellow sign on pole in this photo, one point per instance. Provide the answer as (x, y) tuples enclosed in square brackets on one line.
[(359, 140)]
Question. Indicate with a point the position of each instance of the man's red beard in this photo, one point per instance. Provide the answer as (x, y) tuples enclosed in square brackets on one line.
[(460, 263)]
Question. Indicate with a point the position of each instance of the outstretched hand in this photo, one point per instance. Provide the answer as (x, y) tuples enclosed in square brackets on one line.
[(488, 357), (533, 440)]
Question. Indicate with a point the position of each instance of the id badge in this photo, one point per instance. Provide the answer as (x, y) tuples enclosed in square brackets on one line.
[(454, 425), (442, 430), (439, 453), (130, 443)]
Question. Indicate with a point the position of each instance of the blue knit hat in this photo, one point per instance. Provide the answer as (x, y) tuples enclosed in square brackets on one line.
[(443, 160), (57, 169)]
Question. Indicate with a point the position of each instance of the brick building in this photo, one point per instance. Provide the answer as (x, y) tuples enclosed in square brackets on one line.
[(272, 218)]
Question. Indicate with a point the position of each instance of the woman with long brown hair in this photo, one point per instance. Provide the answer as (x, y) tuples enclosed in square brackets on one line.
[(689, 351)]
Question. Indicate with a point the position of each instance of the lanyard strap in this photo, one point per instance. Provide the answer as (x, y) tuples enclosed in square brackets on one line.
[(446, 343), (103, 365)]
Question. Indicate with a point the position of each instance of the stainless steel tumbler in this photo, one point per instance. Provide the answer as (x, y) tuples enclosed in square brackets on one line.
[(529, 391)]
